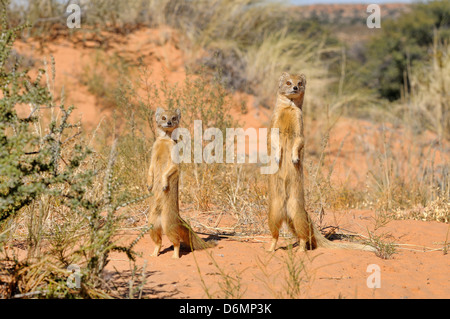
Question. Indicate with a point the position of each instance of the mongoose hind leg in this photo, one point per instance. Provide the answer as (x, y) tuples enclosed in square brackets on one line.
[(273, 244), (301, 241), (156, 234), (275, 221), (176, 250), (302, 244), (175, 240), (157, 250), (299, 222), (172, 230)]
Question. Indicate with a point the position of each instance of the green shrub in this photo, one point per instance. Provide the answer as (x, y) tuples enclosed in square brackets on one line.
[(403, 43), (28, 163), (46, 169)]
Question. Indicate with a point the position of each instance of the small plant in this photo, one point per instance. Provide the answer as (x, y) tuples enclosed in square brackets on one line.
[(229, 282), (297, 274), (384, 247), (132, 290), (293, 278)]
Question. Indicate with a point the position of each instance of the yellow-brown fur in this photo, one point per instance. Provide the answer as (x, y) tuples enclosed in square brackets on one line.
[(286, 197), (163, 176)]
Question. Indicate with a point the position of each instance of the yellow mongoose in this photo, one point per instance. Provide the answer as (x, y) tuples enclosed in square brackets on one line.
[(163, 176), (286, 197)]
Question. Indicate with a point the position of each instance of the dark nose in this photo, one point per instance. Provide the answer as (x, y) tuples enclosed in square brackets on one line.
[(295, 88), (169, 123)]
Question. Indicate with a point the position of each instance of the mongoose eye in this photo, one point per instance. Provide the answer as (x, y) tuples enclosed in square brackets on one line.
[(174, 119), (288, 83), (163, 118)]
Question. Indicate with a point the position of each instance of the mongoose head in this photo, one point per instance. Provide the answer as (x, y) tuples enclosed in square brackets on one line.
[(167, 121), (292, 86)]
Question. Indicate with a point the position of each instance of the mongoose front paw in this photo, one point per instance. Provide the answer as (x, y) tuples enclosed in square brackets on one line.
[(278, 158), (165, 188), (295, 160), (149, 187)]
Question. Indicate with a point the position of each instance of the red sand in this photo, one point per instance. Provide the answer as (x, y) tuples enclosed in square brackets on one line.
[(258, 274)]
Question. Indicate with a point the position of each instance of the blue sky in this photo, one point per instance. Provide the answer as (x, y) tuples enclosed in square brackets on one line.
[(323, 1), (305, 2), (348, 1)]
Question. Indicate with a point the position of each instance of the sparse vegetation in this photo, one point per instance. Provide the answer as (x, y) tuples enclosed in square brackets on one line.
[(48, 175), (405, 43), (67, 194)]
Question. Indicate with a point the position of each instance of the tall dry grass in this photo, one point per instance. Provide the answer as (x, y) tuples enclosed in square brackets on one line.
[(427, 106), (249, 53), (250, 42), (247, 43), (74, 218)]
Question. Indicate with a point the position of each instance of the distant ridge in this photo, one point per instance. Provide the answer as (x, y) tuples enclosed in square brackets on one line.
[(348, 13)]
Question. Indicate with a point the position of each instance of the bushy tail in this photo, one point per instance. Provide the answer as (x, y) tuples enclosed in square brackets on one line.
[(191, 239), (321, 241)]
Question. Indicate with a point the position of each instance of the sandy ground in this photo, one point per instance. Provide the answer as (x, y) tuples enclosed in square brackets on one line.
[(240, 266)]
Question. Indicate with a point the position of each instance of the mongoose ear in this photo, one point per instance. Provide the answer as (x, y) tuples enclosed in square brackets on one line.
[(159, 110), (283, 78), (178, 111), (303, 77)]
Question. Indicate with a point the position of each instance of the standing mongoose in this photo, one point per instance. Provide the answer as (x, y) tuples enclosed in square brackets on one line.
[(286, 195), (163, 176)]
